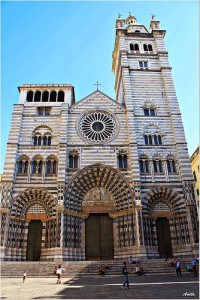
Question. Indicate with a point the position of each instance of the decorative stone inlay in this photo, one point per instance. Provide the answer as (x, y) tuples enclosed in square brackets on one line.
[(97, 126)]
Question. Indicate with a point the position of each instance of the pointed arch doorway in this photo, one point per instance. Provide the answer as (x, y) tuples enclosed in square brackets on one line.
[(99, 243)]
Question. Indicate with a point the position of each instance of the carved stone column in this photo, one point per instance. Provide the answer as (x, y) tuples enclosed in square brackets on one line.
[(137, 238), (29, 172), (166, 171), (43, 171), (60, 222)]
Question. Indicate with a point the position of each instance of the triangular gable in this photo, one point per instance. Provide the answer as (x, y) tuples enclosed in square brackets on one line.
[(97, 92)]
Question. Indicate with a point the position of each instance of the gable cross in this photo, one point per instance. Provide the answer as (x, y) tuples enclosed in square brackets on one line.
[(97, 84)]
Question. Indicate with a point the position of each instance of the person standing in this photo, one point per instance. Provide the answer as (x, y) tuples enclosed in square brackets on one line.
[(194, 267), (59, 272), (24, 276), (178, 268), (125, 273)]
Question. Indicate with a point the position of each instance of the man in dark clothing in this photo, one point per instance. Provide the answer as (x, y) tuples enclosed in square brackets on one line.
[(194, 267), (125, 273), (178, 268)]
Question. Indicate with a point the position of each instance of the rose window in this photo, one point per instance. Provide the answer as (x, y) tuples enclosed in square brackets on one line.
[(97, 126)]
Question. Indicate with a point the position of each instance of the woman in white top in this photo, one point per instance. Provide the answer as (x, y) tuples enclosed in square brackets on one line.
[(59, 272), (137, 269)]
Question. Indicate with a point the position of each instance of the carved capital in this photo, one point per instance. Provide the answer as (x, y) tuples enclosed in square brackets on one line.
[(60, 208)]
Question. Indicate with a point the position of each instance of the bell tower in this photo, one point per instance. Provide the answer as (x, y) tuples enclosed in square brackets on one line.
[(159, 154), (143, 78)]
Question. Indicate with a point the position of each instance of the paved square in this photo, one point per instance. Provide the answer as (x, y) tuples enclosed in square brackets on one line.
[(96, 287)]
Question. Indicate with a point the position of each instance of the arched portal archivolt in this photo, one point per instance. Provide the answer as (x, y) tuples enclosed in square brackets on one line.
[(99, 175), (166, 195), (30, 197)]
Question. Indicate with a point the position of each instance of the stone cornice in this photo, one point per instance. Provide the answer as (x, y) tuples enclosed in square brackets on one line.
[(44, 86), (157, 32), (121, 213), (165, 68)]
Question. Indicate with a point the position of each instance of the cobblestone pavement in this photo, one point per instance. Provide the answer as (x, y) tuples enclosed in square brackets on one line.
[(160, 286)]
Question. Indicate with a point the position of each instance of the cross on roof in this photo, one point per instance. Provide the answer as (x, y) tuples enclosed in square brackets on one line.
[(97, 84)]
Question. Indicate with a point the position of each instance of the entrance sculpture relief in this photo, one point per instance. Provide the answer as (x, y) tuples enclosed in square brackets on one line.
[(97, 200), (98, 195)]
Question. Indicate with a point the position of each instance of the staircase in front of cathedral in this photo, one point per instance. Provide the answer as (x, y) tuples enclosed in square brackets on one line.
[(84, 268)]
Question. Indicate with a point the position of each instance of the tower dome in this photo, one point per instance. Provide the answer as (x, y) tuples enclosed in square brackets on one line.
[(131, 20)]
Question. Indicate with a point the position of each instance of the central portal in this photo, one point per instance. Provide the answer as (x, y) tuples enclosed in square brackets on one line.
[(34, 240), (99, 237)]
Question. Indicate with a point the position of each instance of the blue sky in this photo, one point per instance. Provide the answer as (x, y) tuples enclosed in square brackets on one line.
[(72, 42)]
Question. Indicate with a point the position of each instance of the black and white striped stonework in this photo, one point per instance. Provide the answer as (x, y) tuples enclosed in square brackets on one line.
[(139, 158)]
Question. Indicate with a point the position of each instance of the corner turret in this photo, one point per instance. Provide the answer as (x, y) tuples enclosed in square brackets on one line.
[(155, 27)]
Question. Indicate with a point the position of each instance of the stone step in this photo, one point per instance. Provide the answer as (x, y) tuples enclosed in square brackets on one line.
[(83, 268)]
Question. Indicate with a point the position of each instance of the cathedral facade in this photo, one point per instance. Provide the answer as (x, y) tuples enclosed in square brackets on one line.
[(101, 179)]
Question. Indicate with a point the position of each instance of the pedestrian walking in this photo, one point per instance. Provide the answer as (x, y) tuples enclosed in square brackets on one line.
[(125, 273), (178, 268), (194, 267), (59, 272), (24, 276)]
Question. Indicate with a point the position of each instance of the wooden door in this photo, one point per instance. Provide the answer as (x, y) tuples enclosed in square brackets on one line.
[(99, 237), (164, 238), (34, 240)]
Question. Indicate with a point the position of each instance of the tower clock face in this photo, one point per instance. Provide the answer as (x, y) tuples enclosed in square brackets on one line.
[(97, 126)]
